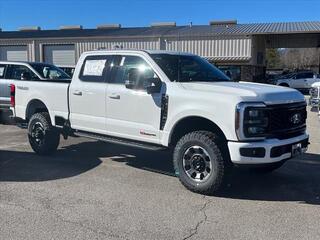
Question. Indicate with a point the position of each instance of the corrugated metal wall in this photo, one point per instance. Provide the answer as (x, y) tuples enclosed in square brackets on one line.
[(84, 46), (217, 49), (235, 48), (28, 44)]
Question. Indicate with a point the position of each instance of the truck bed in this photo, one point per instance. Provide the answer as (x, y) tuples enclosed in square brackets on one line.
[(53, 93)]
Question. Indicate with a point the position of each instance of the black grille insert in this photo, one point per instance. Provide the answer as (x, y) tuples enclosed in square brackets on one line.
[(287, 120)]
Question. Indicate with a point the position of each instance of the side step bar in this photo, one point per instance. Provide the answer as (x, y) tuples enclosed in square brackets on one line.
[(119, 141)]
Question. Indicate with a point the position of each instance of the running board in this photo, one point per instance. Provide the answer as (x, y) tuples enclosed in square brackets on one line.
[(120, 141)]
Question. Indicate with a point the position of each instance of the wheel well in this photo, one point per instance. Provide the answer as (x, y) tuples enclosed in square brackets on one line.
[(35, 106), (191, 124)]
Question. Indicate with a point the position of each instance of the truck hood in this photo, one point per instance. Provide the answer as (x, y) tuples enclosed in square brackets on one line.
[(246, 91), (316, 84)]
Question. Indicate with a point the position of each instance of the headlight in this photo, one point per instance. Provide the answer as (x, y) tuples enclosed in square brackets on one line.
[(252, 121), (255, 123)]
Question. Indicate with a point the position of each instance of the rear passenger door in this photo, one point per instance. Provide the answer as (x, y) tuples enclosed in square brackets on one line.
[(88, 95)]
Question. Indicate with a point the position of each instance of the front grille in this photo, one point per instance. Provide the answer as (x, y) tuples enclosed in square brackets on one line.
[(287, 120), (314, 92)]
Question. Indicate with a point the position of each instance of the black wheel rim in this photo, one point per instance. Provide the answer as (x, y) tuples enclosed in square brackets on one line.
[(38, 133), (197, 164)]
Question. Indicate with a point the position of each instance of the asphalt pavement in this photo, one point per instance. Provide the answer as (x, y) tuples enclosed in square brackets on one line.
[(94, 190)]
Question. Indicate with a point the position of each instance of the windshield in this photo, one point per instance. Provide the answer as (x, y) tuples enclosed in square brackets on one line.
[(188, 68), (48, 71)]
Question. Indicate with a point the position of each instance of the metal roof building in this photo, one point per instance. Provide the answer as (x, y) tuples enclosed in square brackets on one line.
[(221, 42)]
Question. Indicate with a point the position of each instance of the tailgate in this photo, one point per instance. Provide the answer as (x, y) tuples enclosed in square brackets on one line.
[(5, 92)]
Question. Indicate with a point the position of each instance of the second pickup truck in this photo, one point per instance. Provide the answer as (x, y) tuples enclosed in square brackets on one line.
[(167, 100)]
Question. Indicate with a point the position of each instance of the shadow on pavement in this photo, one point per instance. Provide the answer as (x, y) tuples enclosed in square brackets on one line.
[(298, 180), (27, 167)]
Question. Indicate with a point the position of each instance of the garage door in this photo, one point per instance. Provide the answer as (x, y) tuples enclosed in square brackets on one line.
[(13, 53), (60, 55)]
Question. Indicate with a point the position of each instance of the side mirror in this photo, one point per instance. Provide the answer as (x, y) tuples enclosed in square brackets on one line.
[(129, 84), (25, 76), (153, 85), (133, 77)]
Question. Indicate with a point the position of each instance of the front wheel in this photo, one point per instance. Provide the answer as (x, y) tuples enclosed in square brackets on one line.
[(43, 137), (200, 161)]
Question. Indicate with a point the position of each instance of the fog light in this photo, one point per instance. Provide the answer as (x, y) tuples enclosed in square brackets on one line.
[(253, 152)]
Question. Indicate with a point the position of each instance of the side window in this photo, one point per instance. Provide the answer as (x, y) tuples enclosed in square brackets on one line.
[(2, 71), (18, 71), (309, 75), (299, 76), (94, 68), (126, 65)]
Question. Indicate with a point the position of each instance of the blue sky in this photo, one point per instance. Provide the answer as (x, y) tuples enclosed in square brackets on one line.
[(49, 14)]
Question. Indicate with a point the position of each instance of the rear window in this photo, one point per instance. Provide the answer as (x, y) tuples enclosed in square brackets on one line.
[(93, 68), (49, 72), (2, 70)]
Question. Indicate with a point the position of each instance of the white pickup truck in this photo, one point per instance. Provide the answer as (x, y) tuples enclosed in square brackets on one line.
[(167, 100)]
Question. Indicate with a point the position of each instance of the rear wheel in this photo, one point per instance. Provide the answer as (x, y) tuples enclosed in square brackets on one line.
[(283, 85), (200, 161), (43, 137)]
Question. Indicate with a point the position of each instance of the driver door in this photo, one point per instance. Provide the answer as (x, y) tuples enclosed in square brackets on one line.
[(132, 113)]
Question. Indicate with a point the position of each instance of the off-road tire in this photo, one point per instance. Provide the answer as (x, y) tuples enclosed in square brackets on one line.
[(51, 136), (216, 149)]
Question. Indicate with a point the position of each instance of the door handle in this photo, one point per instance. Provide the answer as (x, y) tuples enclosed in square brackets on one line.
[(114, 96), (77, 93)]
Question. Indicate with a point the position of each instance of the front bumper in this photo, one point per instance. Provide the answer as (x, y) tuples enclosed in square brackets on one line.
[(314, 102), (275, 150)]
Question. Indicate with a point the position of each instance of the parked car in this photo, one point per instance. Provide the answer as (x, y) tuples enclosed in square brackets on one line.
[(158, 100), (20, 71), (67, 69), (300, 80), (315, 97)]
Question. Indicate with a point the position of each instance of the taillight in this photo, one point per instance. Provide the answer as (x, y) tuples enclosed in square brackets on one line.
[(12, 95)]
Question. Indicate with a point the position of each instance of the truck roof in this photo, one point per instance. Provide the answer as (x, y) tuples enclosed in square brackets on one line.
[(14, 62), (141, 50), (23, 62)]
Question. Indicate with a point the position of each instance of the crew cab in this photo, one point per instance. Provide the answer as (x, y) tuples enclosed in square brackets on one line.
[(20, 71), (159, 100), (300, 80)]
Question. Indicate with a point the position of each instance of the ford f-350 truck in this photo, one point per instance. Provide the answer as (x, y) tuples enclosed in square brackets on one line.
[(167, 100)]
